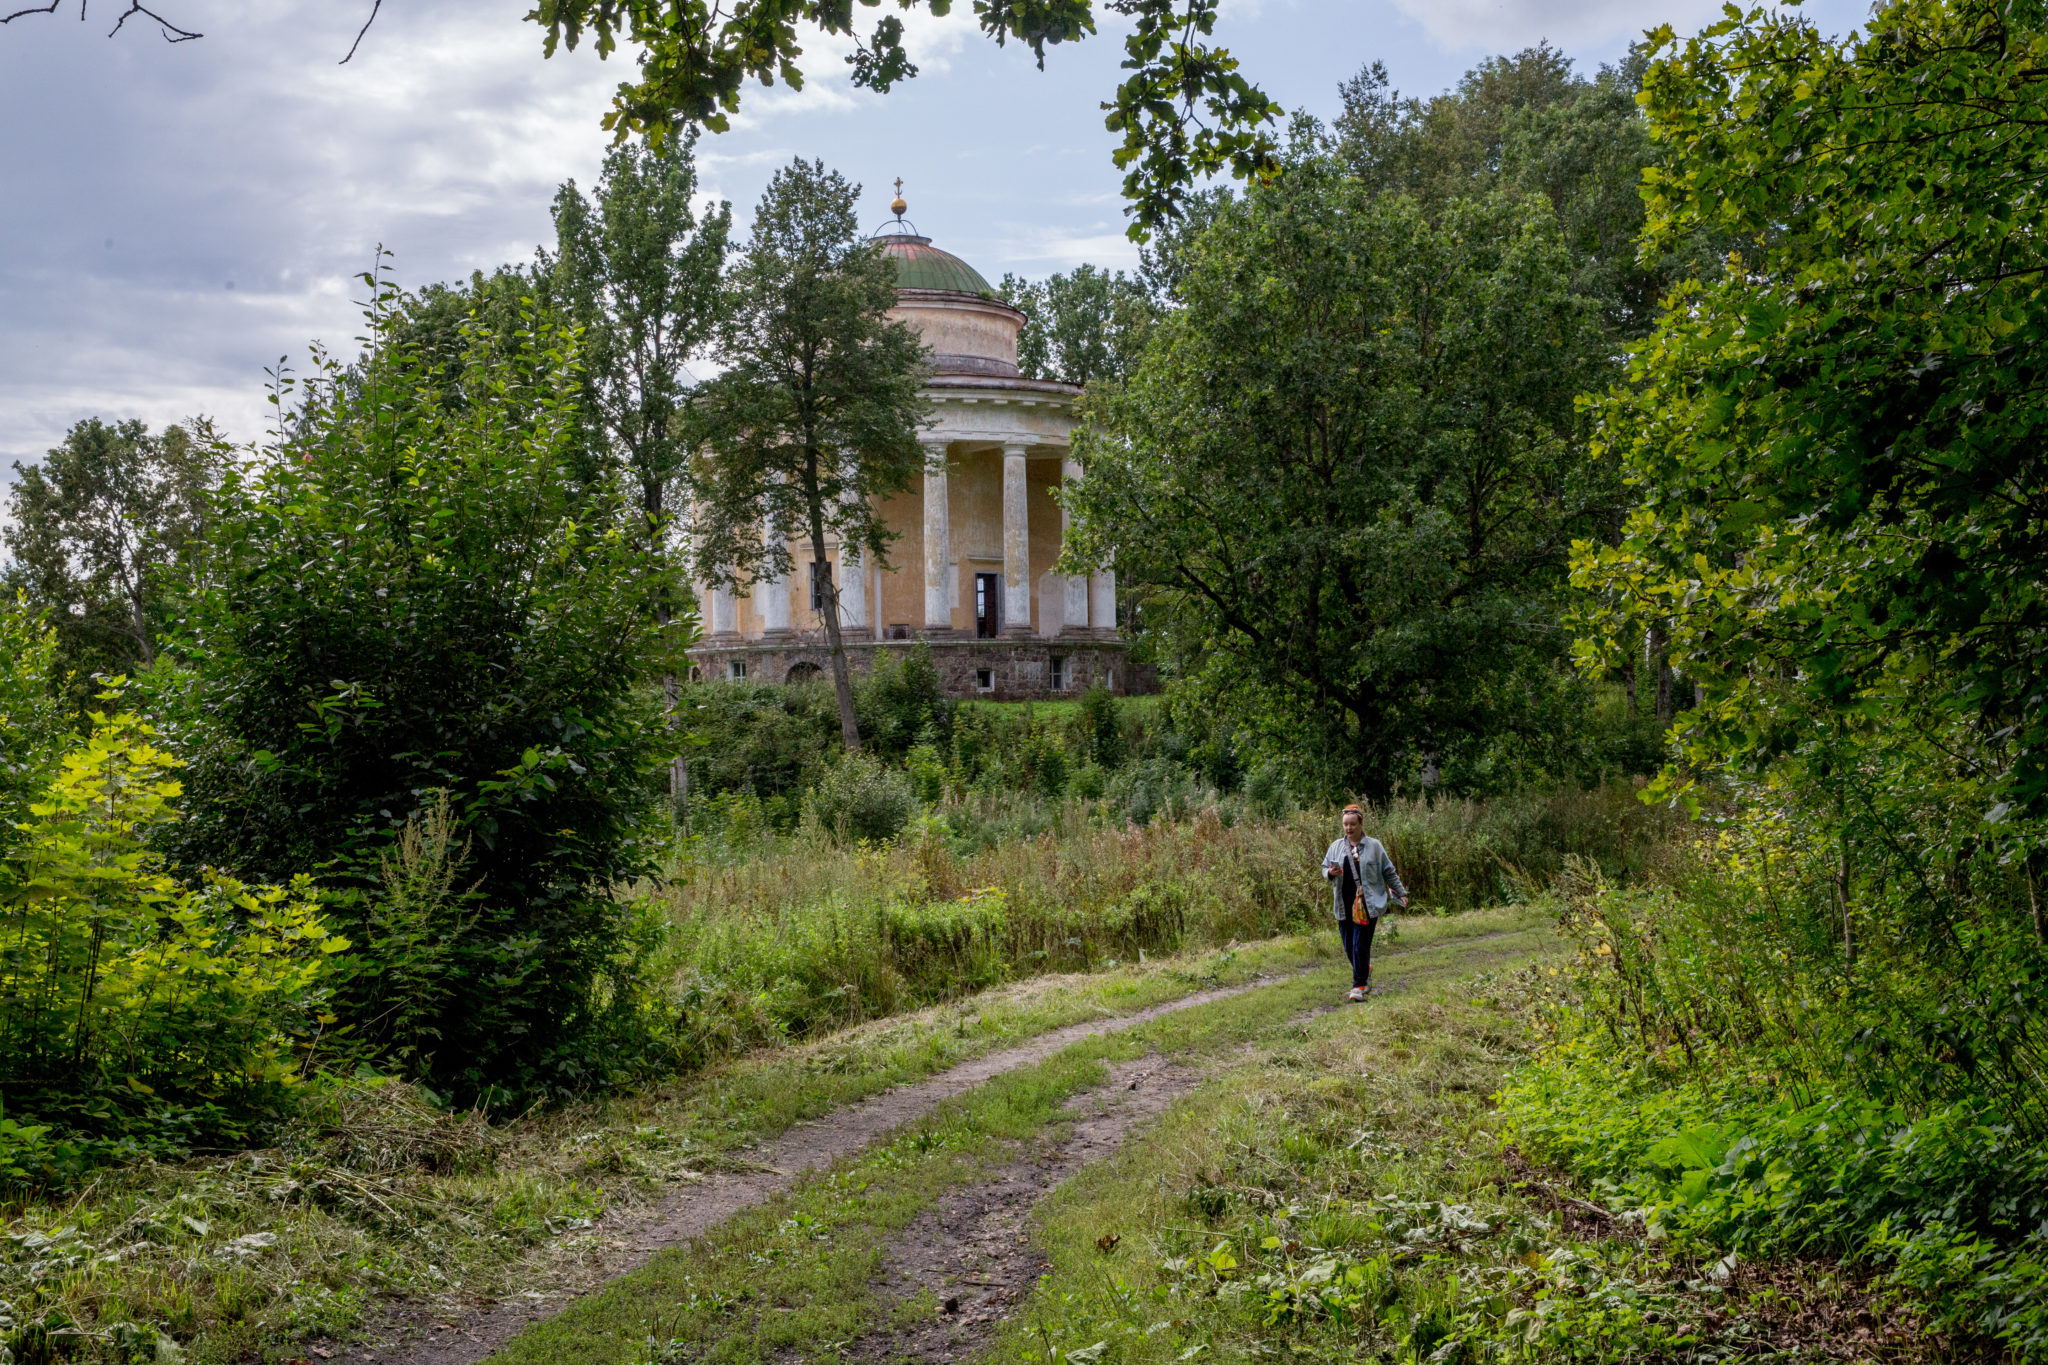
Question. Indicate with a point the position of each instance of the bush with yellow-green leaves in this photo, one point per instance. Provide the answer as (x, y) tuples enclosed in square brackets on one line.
[(137, 1011)]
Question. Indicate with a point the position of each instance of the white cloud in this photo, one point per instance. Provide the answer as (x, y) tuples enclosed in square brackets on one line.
[(1495, 26), (138, 179), (1057, 251), (1508, 25)]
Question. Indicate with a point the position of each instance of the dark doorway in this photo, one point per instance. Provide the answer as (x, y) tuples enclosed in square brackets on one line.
[(988, 597)]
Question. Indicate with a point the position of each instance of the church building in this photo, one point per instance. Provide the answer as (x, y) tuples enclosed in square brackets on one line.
[(971, 569)]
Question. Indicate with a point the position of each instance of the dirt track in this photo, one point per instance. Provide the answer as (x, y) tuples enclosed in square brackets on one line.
[(430, 1335), (417, 1333)]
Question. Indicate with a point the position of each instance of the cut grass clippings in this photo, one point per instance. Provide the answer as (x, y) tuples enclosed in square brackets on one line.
[(793, 1278), (381, 1195)]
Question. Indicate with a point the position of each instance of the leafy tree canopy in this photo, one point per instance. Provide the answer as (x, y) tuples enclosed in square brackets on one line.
[(1349, 468), (1527, 123), (1082, 326), (1838, 448), (815, 419), (103, 534), (411, 596), (641, 275)]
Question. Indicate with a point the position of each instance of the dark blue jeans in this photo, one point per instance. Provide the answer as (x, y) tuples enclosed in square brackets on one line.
[(1358, 948)]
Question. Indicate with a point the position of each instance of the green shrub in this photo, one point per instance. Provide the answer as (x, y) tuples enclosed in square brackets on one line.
[(129, 1002), (1266, 789), (33, 727), (1948, 1203), (760, 739), (1154, 787), (900, 705), (413, 925), (415, 594), (1731, 1065), (1046, 763), (1099, 723), (927, 773), (1089, 782), (860, 800)]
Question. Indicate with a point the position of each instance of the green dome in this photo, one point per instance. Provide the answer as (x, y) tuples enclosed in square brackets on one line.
[(920, 265)]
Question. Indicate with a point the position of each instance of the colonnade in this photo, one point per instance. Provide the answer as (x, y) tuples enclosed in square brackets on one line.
[(1087, 604)]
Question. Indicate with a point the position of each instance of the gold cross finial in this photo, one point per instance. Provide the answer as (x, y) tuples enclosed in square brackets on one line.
[(896, 205)]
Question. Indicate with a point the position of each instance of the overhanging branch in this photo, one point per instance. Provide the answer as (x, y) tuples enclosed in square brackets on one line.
[(172, 33)]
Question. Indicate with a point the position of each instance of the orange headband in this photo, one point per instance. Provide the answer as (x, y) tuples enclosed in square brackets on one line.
[(1359, 809)]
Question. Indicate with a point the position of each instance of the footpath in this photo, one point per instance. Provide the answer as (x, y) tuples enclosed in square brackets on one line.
[(901, 1227)]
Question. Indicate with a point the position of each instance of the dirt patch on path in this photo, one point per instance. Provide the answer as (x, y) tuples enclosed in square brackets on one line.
[(622, 1241), (974, 1254)]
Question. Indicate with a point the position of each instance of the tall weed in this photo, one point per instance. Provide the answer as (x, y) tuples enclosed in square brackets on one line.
[(795, 941), (407, 972)]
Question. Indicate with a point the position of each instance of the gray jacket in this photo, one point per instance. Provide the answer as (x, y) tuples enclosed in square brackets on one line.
[(1374, 871)]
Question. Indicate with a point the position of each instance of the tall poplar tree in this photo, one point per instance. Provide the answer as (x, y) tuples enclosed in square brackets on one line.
[(639, 273), (816, 417)]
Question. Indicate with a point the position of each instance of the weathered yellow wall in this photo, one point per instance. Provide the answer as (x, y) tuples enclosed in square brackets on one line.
[(903, 583), (964, 328), (977, 526)]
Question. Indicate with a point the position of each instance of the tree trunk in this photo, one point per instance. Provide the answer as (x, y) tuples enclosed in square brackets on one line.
[(1628, 681), (1842, 899), (652, 504), (679, 766), (2031, 864), (144, 652), (842, 681), (1660, 659)]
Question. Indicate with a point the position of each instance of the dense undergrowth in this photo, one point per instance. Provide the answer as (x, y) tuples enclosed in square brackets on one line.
[(1754, 1062), (1345, 1194), (379, 1190)]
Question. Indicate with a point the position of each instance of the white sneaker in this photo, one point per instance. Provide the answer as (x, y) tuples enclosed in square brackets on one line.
[(1357, 993)]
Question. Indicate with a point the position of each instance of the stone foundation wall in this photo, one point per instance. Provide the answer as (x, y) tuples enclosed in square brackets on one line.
[(994, 670)]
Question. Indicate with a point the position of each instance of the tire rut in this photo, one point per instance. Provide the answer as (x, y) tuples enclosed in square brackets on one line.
[(974, 1252), (453, 1334)]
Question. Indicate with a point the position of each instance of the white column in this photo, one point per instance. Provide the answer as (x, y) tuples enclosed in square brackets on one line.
[(876, 597), (852, 579), (938, 544), (853, 588), (1016, 545), (852, 582), (1102, 607), (771, 595), (1075, 617), (725, 612)]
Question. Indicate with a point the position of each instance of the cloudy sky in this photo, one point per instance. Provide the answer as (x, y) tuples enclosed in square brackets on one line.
[(173, 218)]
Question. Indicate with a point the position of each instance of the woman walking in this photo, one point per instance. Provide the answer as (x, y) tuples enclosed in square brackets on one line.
[(1362, 878)]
